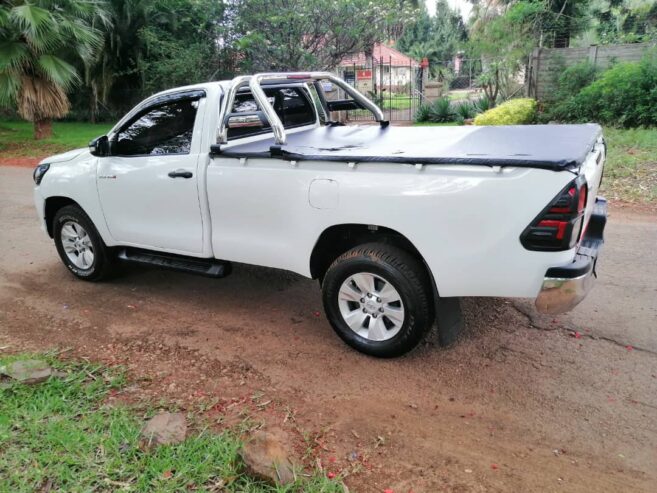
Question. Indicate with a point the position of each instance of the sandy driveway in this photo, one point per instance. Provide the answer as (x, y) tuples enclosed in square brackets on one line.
[(519, 404)]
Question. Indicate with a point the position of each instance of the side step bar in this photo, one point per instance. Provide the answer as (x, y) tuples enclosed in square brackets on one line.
[(191, 265)]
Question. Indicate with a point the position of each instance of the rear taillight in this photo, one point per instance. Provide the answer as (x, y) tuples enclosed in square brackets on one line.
[(559, 225)]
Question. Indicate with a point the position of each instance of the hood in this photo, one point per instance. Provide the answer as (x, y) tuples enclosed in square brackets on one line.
[(65, 156)]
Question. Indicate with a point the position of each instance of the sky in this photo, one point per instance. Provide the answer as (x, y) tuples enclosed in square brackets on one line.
[(462, 6)]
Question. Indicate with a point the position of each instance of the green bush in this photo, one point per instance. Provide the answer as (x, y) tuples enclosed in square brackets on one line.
[(423, 113), (442, 111), (483, 104), (573, 79), (465, 110), (625, 95), (513, 112)]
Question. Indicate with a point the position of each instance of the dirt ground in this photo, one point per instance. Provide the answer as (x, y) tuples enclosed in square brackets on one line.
[(521, 403)]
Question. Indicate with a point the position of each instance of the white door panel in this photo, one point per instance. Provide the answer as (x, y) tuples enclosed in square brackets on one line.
[(145, 207), (148, 188)]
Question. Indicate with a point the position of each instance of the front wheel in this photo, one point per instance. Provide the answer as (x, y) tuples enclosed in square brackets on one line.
[(79, 245), (378, 298)]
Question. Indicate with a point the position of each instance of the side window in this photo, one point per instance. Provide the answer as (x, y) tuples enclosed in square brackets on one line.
[(292, 105), (164, 129)]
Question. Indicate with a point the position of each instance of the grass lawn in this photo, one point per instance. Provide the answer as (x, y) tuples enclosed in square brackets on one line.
[(60, 435), (631, 167), (434, 124), (16, 138), (396, 102)]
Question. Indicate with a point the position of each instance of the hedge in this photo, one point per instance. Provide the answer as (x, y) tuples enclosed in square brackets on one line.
[(624, 95), (513, 112)]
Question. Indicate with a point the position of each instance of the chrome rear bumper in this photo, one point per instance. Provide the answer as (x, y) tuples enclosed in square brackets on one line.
[(565, 286)]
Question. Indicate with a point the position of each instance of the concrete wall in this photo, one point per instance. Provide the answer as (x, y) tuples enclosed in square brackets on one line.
[(545, 64)]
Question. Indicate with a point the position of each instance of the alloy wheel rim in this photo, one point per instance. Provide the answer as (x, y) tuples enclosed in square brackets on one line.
[(371, 306), (77, 245)]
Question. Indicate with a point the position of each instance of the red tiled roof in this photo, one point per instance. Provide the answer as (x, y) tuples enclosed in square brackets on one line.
[(381, 51)]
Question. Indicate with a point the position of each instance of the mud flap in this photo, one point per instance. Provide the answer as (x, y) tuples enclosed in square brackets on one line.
[(449, 320)]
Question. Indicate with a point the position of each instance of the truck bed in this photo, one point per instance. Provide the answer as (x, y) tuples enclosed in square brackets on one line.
[(553, 147)]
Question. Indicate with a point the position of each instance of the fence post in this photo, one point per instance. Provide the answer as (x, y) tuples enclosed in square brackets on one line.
[(537, 70), (593, 55)]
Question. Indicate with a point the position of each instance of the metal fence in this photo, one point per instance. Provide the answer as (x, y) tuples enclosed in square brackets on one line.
[(396, 89), (460, 73)]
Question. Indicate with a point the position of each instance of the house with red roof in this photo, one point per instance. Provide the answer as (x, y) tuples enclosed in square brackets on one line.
[(386, 68)]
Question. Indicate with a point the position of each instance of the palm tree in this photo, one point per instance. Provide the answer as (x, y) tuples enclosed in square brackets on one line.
[(116, 65), (36, 38)]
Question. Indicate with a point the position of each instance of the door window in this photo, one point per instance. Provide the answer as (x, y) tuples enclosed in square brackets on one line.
[(292, 105), (160, 130)]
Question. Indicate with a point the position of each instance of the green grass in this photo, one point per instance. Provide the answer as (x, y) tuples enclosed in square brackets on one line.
[(436, 124), (396, 102), (461, 95), (631, 167), (60, 433), (17, 138)]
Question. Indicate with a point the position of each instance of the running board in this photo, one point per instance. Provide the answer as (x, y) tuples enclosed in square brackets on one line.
[(191, 265)]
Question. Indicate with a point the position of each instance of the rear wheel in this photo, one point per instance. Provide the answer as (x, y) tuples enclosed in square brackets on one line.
[(79, 245), (378, 298)]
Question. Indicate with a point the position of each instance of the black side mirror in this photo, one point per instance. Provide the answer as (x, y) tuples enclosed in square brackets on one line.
[(99, 146)]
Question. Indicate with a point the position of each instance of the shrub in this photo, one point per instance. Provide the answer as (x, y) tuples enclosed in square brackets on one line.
[(423, 113), (513, 112), (624, 95), (465, 110), (573, 79), (442, 111), (482, 104)]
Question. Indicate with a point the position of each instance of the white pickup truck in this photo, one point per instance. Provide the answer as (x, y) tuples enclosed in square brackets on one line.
[(395, 222)]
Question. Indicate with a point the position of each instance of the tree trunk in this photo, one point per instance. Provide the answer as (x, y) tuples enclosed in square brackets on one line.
[(93, 104), (42, 129)]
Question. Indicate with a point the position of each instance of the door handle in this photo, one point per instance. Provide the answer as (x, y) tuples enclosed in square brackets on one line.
[(180, 173)]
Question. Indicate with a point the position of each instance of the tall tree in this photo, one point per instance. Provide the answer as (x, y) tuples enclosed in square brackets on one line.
[(183, 43), (437, 38), (113, 78), (305, 34), (552, 23), (624, 21), (38, 40)]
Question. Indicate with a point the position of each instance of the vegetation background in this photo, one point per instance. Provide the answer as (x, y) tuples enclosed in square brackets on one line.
[(92, 60)]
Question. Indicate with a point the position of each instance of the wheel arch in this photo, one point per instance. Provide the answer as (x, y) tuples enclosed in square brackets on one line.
[(52, 205), (339, 238)]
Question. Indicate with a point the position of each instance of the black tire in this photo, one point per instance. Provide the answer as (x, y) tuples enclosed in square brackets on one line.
[(101, 265), (407, 275)]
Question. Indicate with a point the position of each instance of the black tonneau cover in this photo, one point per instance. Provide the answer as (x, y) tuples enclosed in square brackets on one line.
[(554, 147)]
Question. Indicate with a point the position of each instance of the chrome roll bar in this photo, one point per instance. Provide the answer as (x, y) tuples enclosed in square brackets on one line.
[(255, 84), (227, 105)]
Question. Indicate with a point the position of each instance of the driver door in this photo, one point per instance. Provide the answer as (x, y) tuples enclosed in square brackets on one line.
[(148, 183)]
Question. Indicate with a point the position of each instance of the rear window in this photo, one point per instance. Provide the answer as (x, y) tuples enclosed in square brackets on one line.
[(292, 105)]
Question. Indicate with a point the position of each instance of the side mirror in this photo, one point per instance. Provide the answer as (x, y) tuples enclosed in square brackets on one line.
[(99, 146)]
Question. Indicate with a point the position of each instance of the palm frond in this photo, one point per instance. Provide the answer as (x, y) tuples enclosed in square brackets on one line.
[(31, 18), (4, 15), (13, 54), (39, 99), (10, 83), (57, 71), (82, 33)]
